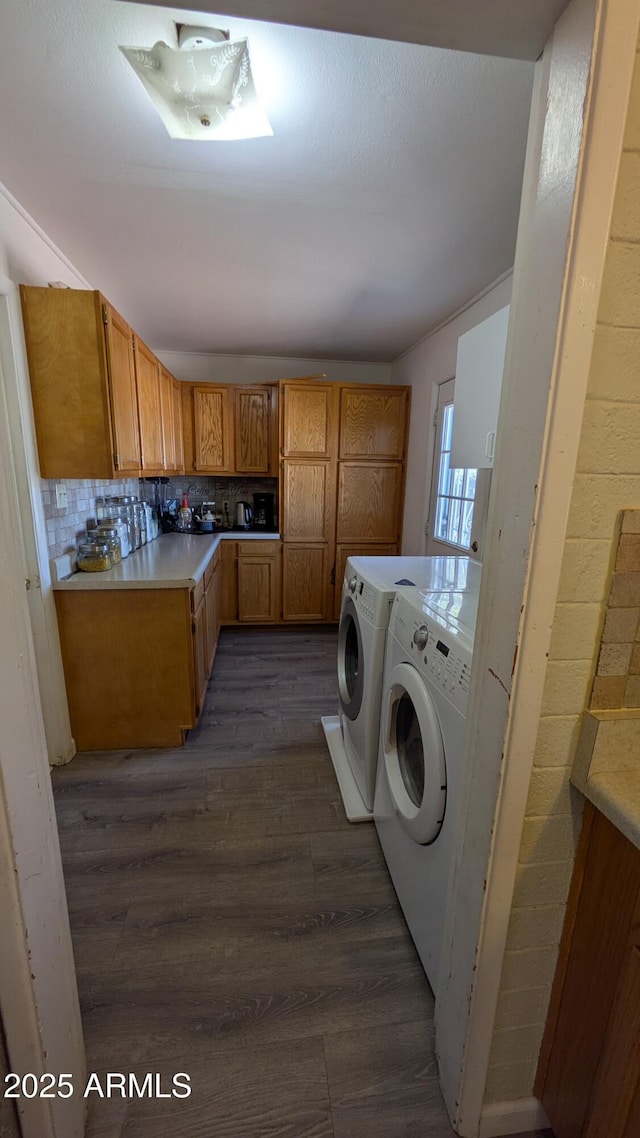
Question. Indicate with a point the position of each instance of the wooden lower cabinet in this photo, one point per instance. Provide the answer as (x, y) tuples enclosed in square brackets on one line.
[(304, 582), (258, 582), (251, 582), (128, 660), (345, 551), (137, 661), (589, 1070)]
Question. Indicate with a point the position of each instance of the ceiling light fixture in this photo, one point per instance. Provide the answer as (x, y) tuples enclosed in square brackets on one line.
[(204, 88)]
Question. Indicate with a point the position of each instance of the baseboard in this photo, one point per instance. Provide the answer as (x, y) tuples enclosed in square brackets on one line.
[(516, 1117)]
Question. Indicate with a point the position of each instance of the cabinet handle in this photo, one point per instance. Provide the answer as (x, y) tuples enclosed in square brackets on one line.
[(489, 445)]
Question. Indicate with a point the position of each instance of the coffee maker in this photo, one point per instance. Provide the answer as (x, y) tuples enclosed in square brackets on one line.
[(263, 512)]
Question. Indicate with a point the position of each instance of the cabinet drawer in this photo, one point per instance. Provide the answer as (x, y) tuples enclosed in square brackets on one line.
[(258, 548)]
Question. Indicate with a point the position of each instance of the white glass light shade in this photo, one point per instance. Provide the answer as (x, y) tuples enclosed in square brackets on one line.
[(206, 93)]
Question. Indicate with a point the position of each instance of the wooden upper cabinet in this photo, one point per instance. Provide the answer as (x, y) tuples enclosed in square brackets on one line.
[(308, 419), (369, 502), (252, 430), (306, 492), (149, 408), (177, 424), (123, 393), (82, 384), (168, 420), (373, 422), (212, 429)]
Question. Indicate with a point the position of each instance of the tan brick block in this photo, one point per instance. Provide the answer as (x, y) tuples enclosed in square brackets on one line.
[(614, 364), (553, 838), (549, 792), (574, 632), (539, 927), (632, 692), (556, 740), (631, 518), (628, 555), (510, 1081), (522, 1043), (528, 968), (620, 625), (609, 438), (608, 692), (566, 687), (625, 222), (625, 590), (614, 660), (585, 571), (522, 1008), (634, 663), (620, 294), (546, 883), (632, 128), (596, 501)]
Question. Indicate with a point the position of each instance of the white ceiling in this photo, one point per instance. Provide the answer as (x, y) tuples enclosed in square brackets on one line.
[(387, 198)]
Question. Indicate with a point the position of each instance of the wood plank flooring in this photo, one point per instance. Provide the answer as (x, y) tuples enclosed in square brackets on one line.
[(229, 923)]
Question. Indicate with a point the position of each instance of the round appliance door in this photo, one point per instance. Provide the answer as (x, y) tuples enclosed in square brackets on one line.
[(350, 660), (414, 755)]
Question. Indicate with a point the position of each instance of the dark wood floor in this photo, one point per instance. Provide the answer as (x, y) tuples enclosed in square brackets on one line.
[(229, 923)]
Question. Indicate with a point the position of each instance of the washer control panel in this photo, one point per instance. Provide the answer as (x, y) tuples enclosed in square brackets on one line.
[(435, 652), (371, 603)]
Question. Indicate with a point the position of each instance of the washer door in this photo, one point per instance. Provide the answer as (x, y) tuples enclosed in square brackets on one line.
[(350, 660), (414, 755)]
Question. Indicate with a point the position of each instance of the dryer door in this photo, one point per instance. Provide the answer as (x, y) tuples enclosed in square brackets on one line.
[(350, 660), (414, 755)]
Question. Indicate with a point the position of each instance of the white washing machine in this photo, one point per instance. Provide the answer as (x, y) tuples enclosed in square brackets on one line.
[(420, 771), (370, 584)]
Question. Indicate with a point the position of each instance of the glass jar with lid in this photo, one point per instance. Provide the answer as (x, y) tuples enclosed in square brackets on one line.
[(141, 517), (110, 535), (117, 521), (94, 557)]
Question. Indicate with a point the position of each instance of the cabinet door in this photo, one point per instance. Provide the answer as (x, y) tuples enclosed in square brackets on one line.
[(308, 419), (177, 425), (201, 670), (217, 588), (479, 368), (122, 390), (372, 422), (345, 551), (211, 617), (304, 582), (168, 420), (149, 408), (229, 581), (252, 430), (307, 500), (258, 592), (212, 429), (615, 1105), (369, 500)]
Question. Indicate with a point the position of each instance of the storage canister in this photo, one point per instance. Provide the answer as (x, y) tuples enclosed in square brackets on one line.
[(94, 557)]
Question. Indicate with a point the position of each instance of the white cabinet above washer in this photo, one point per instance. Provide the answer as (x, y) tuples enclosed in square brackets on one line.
[(479, 369)]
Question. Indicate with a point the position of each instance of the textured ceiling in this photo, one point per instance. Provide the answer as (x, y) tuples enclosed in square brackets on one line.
[(387, 197)]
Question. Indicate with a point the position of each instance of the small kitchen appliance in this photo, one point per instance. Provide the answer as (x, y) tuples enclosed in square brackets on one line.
[(263, 511), (242, 515)]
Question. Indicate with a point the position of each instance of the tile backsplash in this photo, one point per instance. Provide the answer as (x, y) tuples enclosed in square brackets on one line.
[(66, 526)]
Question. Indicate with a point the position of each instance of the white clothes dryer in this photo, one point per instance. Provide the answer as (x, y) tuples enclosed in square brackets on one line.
[(370, 584), (420, 773)]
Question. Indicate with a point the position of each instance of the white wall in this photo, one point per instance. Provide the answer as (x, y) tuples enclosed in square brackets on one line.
[(198, 367), (429, 363)]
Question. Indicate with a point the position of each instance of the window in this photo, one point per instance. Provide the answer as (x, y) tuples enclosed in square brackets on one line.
[(456, 493)]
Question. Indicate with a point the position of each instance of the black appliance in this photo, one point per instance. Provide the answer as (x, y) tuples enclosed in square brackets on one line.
[(263, 512)]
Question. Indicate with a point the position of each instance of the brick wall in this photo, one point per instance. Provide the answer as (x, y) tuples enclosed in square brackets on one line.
[(607, 481)]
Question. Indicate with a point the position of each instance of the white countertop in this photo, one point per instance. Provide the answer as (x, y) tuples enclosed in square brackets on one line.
[(172, 561)]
